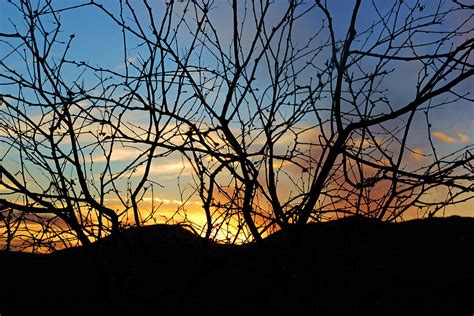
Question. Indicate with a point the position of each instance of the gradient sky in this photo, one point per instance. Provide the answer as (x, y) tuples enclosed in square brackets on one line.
[(98, 41)]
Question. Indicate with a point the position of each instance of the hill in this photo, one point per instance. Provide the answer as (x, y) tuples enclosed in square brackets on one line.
[(352, 266)]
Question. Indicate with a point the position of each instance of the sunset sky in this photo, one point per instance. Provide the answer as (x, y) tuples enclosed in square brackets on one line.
[(98, 41)]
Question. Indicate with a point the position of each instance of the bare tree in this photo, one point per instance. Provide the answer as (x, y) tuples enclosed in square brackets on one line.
[(56, 135), (287, 112)]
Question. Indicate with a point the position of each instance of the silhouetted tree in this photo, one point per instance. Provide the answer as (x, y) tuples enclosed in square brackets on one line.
[(55, 125), (288, 112)]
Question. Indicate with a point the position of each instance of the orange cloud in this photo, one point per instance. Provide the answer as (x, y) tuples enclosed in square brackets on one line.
[(445, 138), (417, 154)]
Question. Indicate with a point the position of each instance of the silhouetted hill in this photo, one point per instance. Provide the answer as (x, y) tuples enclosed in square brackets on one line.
[(353, 266)]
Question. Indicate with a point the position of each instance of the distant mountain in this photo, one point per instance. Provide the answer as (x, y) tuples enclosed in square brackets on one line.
[(353, 266)]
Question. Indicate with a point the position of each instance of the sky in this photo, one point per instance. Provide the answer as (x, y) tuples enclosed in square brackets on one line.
[(98, 41)]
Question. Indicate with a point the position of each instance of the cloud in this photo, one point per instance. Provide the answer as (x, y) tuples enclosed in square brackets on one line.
[(418, 154), (164, 201), (120, 154), (2, 188), (463, 138), (445, 138), (167, 169)]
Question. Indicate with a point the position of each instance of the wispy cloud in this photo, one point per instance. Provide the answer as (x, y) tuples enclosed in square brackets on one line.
[(167, 169), (120, 154), (2, 188), (418, 154), (164, 201), (445, 138)]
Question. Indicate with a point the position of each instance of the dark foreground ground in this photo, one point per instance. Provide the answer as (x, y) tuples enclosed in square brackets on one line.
[(349, 267)]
